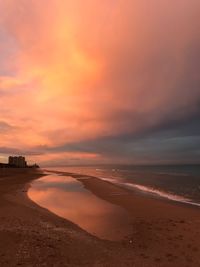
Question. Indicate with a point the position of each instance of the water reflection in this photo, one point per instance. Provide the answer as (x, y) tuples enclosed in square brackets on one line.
[(67, 198)]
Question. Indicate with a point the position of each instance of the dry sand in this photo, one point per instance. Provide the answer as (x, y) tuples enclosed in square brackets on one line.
[(164, 234)]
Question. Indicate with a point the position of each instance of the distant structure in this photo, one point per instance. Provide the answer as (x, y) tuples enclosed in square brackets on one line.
[(18, 162), (34, 166)]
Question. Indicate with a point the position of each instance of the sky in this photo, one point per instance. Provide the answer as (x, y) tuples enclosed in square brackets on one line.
[(89, 82)]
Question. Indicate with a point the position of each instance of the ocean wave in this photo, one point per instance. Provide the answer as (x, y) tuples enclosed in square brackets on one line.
[(155, 192)]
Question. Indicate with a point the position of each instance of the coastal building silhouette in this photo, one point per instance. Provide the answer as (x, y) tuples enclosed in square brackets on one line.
[(19, 161)]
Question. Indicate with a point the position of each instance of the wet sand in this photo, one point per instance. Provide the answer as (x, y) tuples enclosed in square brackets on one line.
[(164, 233)]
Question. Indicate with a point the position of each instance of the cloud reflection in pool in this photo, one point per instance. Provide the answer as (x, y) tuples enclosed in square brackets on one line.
[(66, 197)]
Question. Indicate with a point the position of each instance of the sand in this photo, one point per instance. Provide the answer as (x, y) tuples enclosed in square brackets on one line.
[(164, 233)]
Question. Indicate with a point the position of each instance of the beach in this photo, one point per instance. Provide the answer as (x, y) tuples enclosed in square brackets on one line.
[(164, 233)]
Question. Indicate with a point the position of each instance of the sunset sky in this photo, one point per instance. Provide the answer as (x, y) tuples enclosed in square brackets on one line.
[(110, 81)]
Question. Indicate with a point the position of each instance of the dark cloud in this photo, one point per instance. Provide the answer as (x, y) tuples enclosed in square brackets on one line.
[(172, 141), (15, 151)]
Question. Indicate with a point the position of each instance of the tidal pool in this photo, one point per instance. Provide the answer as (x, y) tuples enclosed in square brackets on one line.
[(66, 197)]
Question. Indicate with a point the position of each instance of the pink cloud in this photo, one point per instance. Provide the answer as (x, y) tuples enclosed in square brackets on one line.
[(87, 69)]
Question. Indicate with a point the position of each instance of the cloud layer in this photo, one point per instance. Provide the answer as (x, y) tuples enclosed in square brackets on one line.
[(100, 81)]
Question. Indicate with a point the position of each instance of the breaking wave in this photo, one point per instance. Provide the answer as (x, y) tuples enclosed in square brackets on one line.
[(154, 192)]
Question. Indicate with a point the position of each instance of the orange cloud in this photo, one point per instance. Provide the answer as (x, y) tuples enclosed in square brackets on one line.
[(88, 69), (7, 83)]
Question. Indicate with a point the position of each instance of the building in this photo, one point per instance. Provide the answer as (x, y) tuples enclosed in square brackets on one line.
[(18, 162)]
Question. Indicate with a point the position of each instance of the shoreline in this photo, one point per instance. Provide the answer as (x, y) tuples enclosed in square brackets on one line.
[(36, 237), (136, 192), (33, 235)]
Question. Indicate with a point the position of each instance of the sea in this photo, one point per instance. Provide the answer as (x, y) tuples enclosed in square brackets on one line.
[(179, 183)]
